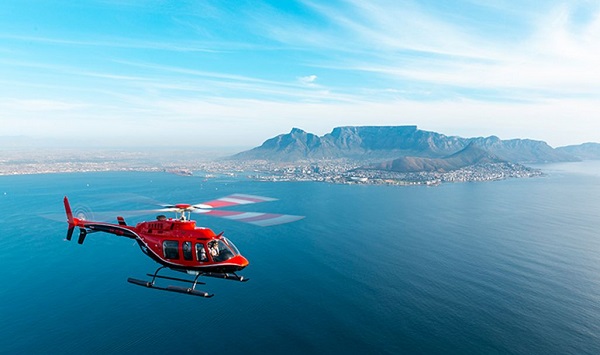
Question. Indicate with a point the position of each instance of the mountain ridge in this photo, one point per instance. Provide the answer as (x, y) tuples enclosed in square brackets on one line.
[(585, 151), (388, 143)]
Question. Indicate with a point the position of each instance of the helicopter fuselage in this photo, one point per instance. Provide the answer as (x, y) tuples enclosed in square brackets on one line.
[(178, 244)]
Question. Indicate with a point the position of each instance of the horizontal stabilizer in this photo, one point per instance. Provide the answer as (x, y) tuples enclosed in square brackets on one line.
[(82, 234), (70, 232)]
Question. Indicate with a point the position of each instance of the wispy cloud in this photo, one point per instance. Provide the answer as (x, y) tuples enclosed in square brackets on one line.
[(409, 44), (470, 67), (309, 80), (120, 42)]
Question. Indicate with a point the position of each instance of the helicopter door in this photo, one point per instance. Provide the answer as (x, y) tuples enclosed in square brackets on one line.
[(201, 252), (187, 250)]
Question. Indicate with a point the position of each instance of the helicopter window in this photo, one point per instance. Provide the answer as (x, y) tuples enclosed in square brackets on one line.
[(171, 249), (187, 250), (219, 251), (201, 252)]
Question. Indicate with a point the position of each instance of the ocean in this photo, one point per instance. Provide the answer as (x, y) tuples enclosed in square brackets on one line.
[(505, 267)]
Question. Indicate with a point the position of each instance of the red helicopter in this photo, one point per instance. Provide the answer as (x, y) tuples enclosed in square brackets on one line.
[(178, 244)]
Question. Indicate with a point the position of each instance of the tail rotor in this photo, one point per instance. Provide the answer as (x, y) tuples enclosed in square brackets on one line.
[(73, 222)]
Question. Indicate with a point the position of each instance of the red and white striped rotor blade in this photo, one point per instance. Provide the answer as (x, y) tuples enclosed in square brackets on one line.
[(234, 200), (256, 218)]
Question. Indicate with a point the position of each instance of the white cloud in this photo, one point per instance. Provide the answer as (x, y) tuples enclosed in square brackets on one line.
[(308, 80)]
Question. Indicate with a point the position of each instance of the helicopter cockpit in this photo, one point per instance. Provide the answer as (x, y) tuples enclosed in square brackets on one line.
[(222, 249)]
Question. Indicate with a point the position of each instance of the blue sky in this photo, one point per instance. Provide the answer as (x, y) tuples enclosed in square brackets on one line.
[(234, 73)]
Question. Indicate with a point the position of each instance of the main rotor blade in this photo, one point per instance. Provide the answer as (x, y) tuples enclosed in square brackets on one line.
[(234, 200), (256, 218)]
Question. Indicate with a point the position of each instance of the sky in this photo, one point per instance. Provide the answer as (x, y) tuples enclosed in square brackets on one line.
[(235, 73)]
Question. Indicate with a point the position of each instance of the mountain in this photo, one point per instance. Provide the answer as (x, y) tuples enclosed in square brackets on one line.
[(522, 150), (585, 151), (295, 145), (470, 155), (378, 143)]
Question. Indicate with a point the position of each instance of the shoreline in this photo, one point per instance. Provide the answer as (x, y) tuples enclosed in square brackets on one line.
[(337, 172)]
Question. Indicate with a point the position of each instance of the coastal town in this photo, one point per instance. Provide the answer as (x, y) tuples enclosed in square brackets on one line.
[(348, 173), (340, 171)]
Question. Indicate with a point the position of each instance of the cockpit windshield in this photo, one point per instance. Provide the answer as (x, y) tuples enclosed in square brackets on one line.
[(220, 251), (232, 246)]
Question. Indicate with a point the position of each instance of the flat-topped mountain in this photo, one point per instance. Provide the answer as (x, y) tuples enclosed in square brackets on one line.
[(383, 143)]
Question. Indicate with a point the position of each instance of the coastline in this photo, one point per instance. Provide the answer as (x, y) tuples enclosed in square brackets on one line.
[(332, 171)]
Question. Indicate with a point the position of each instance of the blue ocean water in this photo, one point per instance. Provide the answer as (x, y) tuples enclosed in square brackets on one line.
[(508, 267)]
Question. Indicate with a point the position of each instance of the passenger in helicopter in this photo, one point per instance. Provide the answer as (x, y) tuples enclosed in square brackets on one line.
[(203, 255)]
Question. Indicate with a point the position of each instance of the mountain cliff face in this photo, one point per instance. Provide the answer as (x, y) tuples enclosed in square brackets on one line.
[(381, 143), (293, 146)]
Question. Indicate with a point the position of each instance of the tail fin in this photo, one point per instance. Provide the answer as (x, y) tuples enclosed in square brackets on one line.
[(69, 218), (69, 212), (73, 222)]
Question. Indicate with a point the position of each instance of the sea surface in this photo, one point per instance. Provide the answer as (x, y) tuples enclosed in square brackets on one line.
[(505, 267)]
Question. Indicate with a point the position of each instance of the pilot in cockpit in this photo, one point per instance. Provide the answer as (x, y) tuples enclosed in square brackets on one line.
[(213, 248)]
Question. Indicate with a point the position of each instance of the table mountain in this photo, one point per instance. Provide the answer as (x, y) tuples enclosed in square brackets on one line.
[(383, 143)]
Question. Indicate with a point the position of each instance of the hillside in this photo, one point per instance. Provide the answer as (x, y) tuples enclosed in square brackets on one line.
[(471, 155), (585, 151)]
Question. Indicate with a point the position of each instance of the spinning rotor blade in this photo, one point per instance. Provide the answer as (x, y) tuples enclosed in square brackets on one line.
[(233, 200), (256, 218)]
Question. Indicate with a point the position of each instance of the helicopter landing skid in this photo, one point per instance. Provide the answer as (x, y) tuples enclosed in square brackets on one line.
[(227, 276), (186, 290)]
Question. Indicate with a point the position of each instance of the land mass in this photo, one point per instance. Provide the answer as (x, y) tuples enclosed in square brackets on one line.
[(585, 151), (371, 154), (471, 155), (402, 155)]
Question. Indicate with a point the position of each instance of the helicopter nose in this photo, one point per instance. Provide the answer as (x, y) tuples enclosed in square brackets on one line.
[(243, 261)]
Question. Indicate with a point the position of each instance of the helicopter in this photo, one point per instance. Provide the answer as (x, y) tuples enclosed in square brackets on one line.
[(179, 244)]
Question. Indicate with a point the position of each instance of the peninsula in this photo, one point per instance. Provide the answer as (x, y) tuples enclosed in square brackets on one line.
[(397, 155)]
